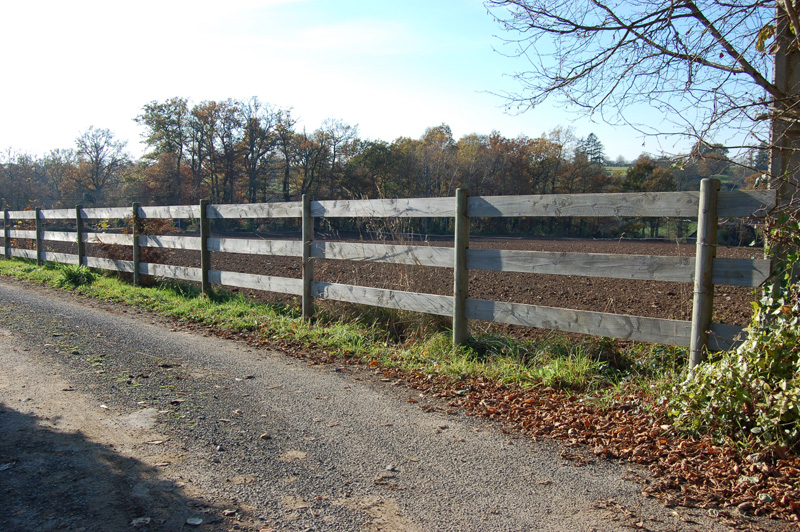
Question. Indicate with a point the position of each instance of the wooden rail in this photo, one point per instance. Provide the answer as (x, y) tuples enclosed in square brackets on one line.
[(704, 270)]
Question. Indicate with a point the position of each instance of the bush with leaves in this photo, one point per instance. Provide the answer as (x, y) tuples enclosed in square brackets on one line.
[(751, 395), (73, 276)]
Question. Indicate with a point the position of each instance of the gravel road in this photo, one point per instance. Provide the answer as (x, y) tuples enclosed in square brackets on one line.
[(114, 419)]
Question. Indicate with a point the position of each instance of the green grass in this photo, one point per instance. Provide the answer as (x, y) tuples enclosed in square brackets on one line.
[(408, 341)]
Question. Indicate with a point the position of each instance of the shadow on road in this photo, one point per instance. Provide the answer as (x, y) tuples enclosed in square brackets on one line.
[(52, 480)]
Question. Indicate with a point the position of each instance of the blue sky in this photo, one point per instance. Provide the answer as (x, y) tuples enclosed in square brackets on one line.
[(392, 68)]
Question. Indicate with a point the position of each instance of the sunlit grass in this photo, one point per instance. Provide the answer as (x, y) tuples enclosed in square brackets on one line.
[(404, 340)]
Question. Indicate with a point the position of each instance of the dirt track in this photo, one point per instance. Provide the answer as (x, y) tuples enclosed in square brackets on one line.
[(113, 420)]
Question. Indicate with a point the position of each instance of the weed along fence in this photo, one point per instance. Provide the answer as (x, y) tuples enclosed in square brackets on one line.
[(704, 270)]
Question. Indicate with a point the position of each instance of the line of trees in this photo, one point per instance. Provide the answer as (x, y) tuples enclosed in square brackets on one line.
[(247, 151)]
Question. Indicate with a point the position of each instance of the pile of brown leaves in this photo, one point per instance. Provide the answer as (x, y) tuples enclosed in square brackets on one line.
[(692, 472)]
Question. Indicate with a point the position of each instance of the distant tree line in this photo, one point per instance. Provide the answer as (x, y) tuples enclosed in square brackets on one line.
[(247, 151)]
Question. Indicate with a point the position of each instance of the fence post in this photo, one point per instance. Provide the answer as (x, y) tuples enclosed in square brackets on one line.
[(39, 237), (6, 231), (137, 252), (79, 239), (205, 255), (706, 250), (308, 264), (460, 272)]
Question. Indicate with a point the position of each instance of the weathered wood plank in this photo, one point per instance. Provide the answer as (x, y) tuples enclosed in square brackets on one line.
[(171, 242), (307, 300), (649, 267), (739, 272), (39, 241), (22, 215), (63, 258), (460, 271), (737, 203), (118, 239), (136, 249), (706, 250), (426, 303), (385, 208), (389, 253), (106, 213), (288, 248), (290, 209), (168, 271), (656, 204), (79, 235), (19, 233), (205, 254), (745, 203), (170, 211), (24, 253), (6, 238), (60, 236), (108, 264), (58, 214), (283, 285), (656, 330), (724, 336)]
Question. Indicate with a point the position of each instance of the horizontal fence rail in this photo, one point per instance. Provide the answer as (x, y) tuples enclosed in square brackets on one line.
[(710, 271)]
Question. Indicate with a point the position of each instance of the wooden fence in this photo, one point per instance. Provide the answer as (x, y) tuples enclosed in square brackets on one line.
[(704, 270)]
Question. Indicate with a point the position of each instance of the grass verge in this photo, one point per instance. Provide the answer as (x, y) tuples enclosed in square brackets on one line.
[(591, 366)]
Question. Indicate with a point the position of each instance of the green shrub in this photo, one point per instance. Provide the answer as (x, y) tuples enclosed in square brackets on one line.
[(752, 394), (74, 276)]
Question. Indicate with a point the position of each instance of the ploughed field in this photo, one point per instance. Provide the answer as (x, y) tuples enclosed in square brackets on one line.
[(640, 298)]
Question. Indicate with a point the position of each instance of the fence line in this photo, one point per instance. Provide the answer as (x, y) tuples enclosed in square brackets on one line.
[(704, 270)]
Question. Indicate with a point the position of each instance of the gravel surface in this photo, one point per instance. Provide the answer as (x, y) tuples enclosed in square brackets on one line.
[(113, 419)]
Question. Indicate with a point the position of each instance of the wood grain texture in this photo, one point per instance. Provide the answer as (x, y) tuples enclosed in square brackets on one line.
[(283, 285), (63, 258), (170, 242), (103, 213), (740, 203), (117, 239), (19, 233), (292, 209), (108, 264), (706, 251), (388, 253), (288, 248), (170, 211), (22, 215), (23, 253), (738, 272), (385, 208), (60, 236), (58, 214), (745, 203), (167, 271), (657, 330), (724, 336), (661, 204), (426, 303)]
